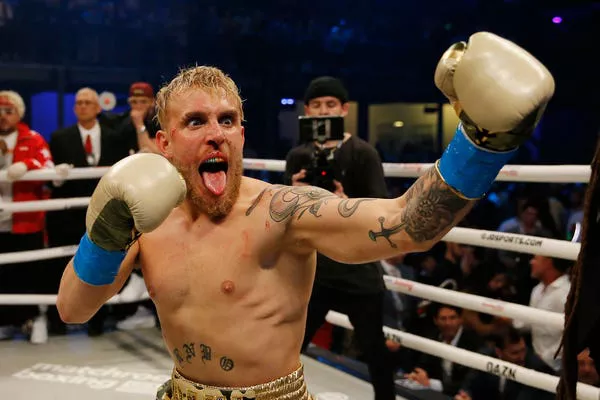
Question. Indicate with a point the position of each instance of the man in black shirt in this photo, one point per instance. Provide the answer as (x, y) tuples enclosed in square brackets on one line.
[(357, 291), (136, 127)]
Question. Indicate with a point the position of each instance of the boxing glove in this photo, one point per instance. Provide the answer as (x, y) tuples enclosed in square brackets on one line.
[(135, 196), (499, 92)]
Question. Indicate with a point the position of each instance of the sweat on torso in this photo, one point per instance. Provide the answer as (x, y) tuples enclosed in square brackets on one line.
[(231, 296)]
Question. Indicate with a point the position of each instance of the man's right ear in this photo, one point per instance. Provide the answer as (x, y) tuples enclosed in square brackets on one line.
[(163, 143)]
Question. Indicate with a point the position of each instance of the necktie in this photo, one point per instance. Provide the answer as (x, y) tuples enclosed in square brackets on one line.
[(88, 144), (89, 151)]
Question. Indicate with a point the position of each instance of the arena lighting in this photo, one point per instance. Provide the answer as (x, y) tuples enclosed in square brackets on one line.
[(288, 102), (557, 20)]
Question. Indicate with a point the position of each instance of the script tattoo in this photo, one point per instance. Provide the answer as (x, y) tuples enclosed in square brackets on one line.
[(188, 352), (428, 211), (206, 353), (178, 356)]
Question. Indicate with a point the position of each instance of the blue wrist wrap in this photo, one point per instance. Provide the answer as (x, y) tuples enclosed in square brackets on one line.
[(469, 169), (94, 265)]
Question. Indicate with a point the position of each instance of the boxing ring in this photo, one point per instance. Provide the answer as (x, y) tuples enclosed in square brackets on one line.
[(132, 365)]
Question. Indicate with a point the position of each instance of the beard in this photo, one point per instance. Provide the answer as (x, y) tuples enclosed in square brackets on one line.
[(215, 207)]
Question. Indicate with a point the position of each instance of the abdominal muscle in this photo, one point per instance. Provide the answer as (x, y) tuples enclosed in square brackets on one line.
[(231, 350)]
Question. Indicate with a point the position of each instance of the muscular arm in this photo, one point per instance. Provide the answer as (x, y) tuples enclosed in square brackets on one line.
[(77, 301), (364, 230)]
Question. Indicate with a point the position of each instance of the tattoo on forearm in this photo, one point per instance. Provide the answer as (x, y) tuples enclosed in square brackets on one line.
[(187, 354), (428, 212)]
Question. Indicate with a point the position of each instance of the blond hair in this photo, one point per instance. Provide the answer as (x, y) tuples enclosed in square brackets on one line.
[(209, 79), (16, 99)]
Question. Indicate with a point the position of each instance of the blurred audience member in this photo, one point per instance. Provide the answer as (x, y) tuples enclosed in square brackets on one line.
[(438, 374), (137, 127), (483, 385), (550, 295), (21, 149), (587, 372), (498, 287), (399, 309), (527, 222), (85, 144)]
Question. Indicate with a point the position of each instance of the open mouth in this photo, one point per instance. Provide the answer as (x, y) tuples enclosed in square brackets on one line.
[(214, 174)]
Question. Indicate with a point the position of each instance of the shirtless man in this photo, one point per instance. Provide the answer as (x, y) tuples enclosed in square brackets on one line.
[(229, 261)]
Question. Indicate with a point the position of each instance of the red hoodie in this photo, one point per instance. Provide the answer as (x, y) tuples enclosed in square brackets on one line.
[(32, 149)]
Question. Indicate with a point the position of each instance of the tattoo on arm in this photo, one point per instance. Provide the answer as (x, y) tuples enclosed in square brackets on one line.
[(295, 201), (187, 353), (428, 211)]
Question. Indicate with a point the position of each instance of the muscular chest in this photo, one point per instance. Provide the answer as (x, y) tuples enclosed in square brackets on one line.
[(208, 262)]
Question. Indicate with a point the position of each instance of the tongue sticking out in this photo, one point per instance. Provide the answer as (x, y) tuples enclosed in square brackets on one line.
[(215, 181)]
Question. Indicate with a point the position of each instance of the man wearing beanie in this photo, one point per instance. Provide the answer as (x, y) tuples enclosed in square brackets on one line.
[(357, 291)]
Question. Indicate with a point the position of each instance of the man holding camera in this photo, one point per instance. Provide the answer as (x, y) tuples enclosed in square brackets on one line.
[(349, 167)]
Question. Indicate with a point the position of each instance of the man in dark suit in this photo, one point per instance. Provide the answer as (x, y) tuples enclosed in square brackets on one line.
[(86, 144), (496, 385), (438, 374)]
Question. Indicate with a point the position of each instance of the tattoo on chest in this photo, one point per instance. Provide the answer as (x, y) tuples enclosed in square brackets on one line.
[(295, 201), (187, 354), (431, 207)]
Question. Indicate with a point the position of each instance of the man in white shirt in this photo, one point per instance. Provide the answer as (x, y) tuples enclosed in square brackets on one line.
[(550, 295)]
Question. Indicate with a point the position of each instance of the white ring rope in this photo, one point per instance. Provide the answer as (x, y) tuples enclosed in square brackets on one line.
[(49, 174), (514, 242), (474, 237), (473, 360), (50, 299), (36, 255), (509, 173), (534, 316), (45, 205)]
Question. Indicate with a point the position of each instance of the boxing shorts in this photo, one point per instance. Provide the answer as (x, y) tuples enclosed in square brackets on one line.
[(290, 387)]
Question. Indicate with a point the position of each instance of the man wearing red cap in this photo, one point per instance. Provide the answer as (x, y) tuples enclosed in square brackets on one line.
[(137, 127)]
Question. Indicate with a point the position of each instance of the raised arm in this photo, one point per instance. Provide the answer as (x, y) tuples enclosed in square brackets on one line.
[(361, 230), (499, 92), (132, 198), (78, 301)]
